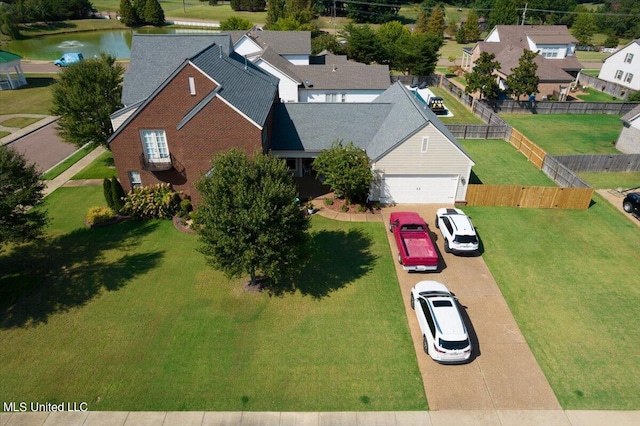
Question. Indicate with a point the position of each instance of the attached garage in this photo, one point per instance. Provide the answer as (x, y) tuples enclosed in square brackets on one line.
[(419, 189)]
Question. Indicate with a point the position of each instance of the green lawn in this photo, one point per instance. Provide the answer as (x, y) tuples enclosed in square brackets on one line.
[(34, 98), (568, 277), (101, 168), (461, 114), (130, 317), (67, 162), (19, 122), (568, 134), (499, 163), (611, 180), (594, 95)]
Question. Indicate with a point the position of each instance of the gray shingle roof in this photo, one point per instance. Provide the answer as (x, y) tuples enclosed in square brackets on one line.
[(154, 57), (631, 115), (244, 85), (378, 127), (344, 76)]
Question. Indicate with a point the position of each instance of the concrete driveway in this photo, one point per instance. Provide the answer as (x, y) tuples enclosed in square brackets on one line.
[(503, 374)]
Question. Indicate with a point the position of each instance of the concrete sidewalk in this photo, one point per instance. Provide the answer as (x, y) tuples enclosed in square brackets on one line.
[(66, 176), (350, 418)]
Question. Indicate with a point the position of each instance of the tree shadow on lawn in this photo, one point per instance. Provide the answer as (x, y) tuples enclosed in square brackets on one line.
[(57, 274), (336, 259)]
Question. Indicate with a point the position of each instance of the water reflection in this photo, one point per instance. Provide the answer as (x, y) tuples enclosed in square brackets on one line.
[(91, 43)]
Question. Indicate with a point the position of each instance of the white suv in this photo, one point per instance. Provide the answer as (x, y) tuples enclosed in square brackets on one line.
[(444, 335), (457, 230)]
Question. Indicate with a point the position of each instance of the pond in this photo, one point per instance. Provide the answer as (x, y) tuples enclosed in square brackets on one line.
[(89, 43)]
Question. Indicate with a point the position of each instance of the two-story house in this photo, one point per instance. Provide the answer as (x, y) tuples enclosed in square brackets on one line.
[(623, 66), (557, 64), (214, 99)]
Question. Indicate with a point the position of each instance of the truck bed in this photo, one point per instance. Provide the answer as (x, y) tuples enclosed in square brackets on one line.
[(416, 248)]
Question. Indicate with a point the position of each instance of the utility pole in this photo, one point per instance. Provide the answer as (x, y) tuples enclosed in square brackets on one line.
[(524, 13)]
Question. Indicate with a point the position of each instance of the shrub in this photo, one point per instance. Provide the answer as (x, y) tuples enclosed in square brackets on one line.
[(185, 208), (108, 193), (344, 208), (100, 214), (157, 201), (328, 201), (362, 208), (117, 194)]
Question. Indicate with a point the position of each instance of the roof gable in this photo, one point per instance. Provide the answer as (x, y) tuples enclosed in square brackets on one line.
[(154, 57)]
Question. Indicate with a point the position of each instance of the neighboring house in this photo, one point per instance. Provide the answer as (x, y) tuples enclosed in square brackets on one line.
[(11, 75), (629, 138), (305, 78), (623, 67), (558, 66), (415, 157), (215, 100)]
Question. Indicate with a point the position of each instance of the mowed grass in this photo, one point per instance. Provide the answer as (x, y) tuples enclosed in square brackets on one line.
[(569, 134), (102, 168), (130, 317), (569, 279), (611, 180), (461, 114), (594, 95), (499, 163), (34, 98)]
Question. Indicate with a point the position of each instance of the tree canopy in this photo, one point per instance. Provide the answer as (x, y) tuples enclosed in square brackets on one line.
[(346, 169), (523, 79), (249, 221), (482, 78), (233, 23), (86, 94), (20, 189)]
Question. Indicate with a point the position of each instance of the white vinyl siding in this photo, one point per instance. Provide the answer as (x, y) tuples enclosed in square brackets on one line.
[(119, 120)]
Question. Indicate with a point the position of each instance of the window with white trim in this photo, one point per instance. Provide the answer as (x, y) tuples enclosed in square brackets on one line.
[(425, 144), (619, 75), (155, 145), (332, 97), (628, 78), (134, 178), (550, 52), (628, 58)]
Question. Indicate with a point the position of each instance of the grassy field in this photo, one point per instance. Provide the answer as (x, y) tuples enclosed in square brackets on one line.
[(568, 134), (461, 114), (124, 320), (35, 98), (19, 122), (568, 279), (498, 163), (597, 96)]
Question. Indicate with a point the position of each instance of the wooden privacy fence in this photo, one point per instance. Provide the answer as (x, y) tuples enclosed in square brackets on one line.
[(537, 197), (533, 152), (601, 162)]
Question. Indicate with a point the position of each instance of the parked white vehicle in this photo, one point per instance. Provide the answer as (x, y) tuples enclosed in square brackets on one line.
[(444, 335), (457, 230)]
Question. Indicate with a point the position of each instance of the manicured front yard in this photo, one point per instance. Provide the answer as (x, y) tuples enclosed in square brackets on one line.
[(570, 280), (568, 134), (101, 168), (130, 317), (34, 98)]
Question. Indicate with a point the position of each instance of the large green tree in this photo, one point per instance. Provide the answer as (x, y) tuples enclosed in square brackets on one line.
[(363, 45), (235, 23), (420, 54), (153, 13), (346, 169), (20, 190), (393, 37), (504, 12), (86, 94), (482, 78), (584, 27), (523, 79), (249, 221), (436, 23), (373, 11)]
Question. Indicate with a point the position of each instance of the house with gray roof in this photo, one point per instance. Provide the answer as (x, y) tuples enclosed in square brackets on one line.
[(215, 99), (558, 67), (629, 139), (414, 156)]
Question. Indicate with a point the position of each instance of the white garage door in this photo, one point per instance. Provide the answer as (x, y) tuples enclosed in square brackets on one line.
[(421, 189)]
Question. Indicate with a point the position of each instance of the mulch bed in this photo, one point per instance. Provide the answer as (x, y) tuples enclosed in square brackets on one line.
[(339, 202), (181, 225)]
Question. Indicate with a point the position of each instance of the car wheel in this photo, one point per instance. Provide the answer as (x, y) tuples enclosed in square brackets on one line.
[(399, 259), (425, 344), (446, 246), (437, 225), (413, 302), (627, 206)]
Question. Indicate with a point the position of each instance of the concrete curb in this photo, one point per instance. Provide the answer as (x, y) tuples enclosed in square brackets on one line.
[(15, 136)]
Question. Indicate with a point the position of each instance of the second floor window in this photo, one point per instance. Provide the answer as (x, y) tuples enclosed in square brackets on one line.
[(628, 58), (619, 75), (155, 144)]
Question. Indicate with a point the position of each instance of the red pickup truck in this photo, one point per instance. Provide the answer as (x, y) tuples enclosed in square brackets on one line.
[(415, 248)]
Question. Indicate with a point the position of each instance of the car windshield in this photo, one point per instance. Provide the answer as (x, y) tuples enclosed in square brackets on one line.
[(453, 345), (466, 239)]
